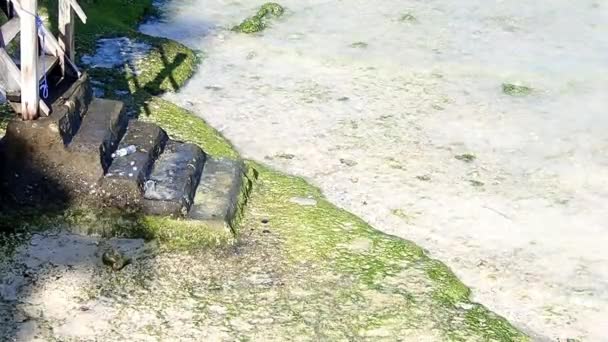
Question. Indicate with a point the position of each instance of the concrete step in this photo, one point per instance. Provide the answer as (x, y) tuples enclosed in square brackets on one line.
[(123, 183), (97, 138), (217, 195), (169, 190), (48, 136)]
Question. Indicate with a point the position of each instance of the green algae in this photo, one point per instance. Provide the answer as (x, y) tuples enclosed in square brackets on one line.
[(258, 22), (359, 45), (408, 18), (516, 90), (250, 25), (467, 157)]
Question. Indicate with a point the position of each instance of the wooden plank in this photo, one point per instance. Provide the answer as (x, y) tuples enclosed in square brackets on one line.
[(29, 60), (9, 31), (45, 64), (14, 78), (66, 30), (12, 72), (51, 45), (79, 11)]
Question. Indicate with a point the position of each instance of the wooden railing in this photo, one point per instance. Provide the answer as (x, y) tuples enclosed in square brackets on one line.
[(31, 27)]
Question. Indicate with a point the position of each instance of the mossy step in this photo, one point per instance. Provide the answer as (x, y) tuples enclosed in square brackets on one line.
[(170, 188), (102, 127), (123, 183), (216, 199)]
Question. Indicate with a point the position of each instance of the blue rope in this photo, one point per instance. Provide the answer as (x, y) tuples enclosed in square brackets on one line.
[(44, 84)]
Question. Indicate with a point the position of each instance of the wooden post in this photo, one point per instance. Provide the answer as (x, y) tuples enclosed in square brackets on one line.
[(66, 31), (29, 61)]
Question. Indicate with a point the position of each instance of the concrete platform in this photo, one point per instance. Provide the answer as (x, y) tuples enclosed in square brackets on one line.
[(70, 159)]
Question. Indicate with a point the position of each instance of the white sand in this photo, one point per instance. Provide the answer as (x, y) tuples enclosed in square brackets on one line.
[(531, 240)]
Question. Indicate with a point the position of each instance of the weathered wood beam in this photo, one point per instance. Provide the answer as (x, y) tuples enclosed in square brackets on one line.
[(29, 61), (66, 31), (9, 31), (79, 11), (51, 45)]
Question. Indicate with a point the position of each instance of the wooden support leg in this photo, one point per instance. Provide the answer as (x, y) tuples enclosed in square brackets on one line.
[(29, 61), (66, 31)]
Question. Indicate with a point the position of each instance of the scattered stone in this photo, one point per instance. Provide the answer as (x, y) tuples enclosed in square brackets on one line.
[(285, 156), (348, 162), (408, 18), (304, 201), (424, 178), (476, 182), (251, 55), (114, 259), (402, 214), (343, 98), (359, 45), (467, 157), (516, 90)]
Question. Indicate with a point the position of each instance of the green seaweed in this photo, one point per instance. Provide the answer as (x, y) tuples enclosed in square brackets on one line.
[(467, 157), (359, 45), (408, 18), (258, 22), (516, 90)]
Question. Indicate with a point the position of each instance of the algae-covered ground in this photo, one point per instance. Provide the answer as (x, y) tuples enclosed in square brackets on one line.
[(299, 268)]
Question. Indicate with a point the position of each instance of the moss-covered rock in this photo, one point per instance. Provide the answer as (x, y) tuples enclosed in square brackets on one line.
[(258, 22), (516, 90)]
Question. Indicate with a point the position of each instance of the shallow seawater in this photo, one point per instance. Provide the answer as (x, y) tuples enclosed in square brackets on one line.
[(398, 89), (117, 52)]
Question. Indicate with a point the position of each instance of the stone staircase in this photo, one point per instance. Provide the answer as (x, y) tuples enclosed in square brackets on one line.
[(70, 157)]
